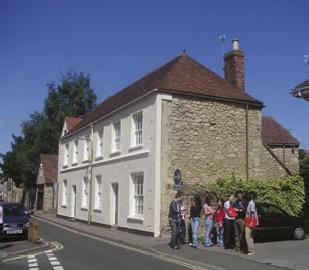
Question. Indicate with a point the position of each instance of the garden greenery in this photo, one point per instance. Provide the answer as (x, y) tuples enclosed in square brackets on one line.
[(287, 192)]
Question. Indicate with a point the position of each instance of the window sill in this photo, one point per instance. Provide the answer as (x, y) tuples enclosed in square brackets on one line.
[(86, 161), (138, 218), (136, 147), (115, 153), (99, 157), (84, 209), (98, 210), (74, 164), (65, 166), (64, 206)]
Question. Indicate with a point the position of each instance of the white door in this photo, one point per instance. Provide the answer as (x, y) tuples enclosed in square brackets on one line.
[(73, 201), (114, 204)]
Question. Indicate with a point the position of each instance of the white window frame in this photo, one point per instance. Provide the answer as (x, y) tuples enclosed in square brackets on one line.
[(116, 143), (64, 199), (85, 193), (86, 152), (137, 129), (137, 195), (66, 154), (98, 200), (100, 143), (75, 152)]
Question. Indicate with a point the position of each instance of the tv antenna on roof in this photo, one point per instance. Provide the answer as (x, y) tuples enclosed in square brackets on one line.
[(222, 39)]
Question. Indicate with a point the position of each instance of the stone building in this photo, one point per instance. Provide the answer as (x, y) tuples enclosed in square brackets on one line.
[(46, 191), (116, 165)]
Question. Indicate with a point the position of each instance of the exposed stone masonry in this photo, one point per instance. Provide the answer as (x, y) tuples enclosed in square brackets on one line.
[(206, 140)]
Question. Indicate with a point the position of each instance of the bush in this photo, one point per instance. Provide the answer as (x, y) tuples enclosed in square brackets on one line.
[(287, 192)]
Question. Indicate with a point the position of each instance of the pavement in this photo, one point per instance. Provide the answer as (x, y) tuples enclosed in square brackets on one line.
[(271, 255)]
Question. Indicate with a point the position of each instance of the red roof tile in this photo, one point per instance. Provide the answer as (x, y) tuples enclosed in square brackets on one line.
[(275, 134), (72, 122), (182, 75), (50, 168)]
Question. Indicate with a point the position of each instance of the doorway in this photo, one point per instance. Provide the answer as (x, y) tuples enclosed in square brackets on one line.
[(40, 198), (73, 202), (114, 204)]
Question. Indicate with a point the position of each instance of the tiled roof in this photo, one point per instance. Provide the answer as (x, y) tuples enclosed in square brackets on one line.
[(72, 122), (50, 168), (275, 134), (181, 75)]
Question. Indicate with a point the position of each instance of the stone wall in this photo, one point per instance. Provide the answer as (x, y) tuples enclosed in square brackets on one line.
[(206, 140), (49, 200)]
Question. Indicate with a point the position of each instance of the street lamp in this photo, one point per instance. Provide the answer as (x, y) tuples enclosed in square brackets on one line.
[(301, 90)]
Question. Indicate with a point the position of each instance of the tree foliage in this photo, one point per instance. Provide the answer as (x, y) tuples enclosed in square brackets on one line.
[(72, 96), (287, 192)]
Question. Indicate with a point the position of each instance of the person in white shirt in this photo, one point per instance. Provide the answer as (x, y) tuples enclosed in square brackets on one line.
[(229, 221), (251, 214)]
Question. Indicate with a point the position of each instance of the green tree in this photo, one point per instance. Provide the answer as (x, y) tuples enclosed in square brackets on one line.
[(72, 96)]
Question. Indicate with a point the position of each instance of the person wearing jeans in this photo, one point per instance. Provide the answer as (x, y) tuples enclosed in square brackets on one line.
[(195, 214), (208, 212), (218, 223)]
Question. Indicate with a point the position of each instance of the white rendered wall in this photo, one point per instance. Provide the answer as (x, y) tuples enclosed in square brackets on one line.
[(115, 168)]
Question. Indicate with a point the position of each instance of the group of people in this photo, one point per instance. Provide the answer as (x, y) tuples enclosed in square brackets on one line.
[(228, 223)]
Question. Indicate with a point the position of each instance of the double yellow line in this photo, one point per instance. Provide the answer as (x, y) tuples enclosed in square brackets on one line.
[(57, 246)]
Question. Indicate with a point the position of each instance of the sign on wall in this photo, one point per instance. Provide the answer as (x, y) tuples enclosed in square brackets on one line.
[(177, 180)]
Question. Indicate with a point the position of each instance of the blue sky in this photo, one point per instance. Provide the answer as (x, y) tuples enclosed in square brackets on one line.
[(117, 42)]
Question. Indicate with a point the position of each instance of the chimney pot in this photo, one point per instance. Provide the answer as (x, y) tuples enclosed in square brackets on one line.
[(235, 44)]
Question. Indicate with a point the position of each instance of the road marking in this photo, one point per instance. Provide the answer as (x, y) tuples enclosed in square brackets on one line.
[(57, 246), (48, 251), (32, 260), (54, 263), (31, 256), (167, 257), (34, 268), (33, 265), (52, 259), (58, 268)]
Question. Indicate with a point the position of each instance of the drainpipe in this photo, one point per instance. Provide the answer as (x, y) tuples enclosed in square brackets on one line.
[(90, 175), (247, 141), (284, 154)]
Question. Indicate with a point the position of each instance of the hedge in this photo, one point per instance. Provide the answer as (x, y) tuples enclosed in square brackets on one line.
[(287, 192)]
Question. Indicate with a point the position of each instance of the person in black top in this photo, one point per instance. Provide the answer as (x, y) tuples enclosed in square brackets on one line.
[(174, 220), (195, 214), (239, 225)]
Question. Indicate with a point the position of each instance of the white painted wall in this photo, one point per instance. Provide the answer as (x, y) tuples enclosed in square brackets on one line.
[(117, 168)]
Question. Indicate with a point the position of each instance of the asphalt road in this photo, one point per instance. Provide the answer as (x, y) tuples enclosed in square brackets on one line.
[(81, 252)]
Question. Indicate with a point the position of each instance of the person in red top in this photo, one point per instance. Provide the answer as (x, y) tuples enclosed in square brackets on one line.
[(218, 222)]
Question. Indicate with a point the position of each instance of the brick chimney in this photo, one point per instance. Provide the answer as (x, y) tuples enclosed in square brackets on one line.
[(234, 66)]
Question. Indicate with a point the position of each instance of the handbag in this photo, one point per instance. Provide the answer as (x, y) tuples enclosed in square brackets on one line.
[(231, 212), (251, 220)]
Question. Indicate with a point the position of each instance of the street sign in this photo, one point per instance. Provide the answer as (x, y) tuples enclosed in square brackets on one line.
[(177, 180)]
